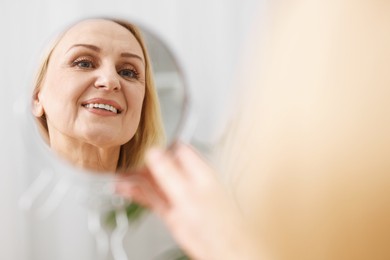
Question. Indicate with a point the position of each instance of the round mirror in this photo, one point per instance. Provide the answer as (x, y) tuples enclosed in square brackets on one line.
[(106, 91)]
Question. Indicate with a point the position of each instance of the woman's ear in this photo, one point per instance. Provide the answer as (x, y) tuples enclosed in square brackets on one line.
[(37, 107)]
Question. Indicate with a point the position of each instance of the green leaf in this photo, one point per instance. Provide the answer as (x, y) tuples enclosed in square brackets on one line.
[(134, 213)]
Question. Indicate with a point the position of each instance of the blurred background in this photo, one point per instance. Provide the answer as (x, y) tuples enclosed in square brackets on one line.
[(207, 37)]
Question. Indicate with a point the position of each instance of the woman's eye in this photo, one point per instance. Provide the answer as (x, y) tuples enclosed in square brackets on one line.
[(128, 73), (84, 64)]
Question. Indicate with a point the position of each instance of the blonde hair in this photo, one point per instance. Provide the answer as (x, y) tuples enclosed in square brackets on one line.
[(150, 131), (310, 150)]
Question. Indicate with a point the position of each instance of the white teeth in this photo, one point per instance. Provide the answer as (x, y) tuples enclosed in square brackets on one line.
[(102, 106)]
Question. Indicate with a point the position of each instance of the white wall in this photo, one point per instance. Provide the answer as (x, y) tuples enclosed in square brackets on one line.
[(207, 36)]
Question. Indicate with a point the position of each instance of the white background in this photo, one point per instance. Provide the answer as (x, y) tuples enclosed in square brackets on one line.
[(207, 36)]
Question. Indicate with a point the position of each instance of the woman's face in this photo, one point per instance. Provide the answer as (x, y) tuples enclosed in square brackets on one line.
[(95, 85)]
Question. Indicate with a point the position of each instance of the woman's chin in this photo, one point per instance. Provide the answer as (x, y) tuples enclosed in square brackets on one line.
[(106, 139)]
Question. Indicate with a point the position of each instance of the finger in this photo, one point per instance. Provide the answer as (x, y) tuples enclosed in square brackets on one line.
[(143, 191), (193, 163), (166, 173), (143, 179), (133, 193)]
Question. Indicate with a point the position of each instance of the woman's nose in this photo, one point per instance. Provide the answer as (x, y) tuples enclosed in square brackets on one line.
[(108, 79)]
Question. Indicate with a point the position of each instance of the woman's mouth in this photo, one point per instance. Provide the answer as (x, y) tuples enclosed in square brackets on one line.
[(103, 107)]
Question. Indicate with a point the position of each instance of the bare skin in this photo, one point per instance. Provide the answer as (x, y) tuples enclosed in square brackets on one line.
[(96, 62), (182, 189)]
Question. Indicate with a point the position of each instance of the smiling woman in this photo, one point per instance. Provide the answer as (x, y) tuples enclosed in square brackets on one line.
[(94, 97)]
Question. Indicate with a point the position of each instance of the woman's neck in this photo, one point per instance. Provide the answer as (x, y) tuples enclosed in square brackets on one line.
[(87, 156)]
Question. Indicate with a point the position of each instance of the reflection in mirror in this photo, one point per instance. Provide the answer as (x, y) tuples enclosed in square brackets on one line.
[(105, 92)]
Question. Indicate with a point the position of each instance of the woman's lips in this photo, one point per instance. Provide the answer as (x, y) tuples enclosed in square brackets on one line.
[(102, 106)]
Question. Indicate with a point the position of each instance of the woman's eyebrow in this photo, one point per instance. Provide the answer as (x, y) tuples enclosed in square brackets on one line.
[(97, 49), (131, 55), (89, 46)]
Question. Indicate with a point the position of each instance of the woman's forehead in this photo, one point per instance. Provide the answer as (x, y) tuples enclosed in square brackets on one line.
[(100, 32)]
